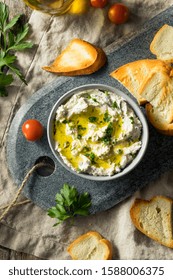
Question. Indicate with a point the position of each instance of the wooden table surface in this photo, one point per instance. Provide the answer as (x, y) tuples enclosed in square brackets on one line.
[(16, 7)]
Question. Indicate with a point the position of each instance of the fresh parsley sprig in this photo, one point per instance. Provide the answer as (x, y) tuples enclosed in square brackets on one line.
[(69, 203), (11, 40)]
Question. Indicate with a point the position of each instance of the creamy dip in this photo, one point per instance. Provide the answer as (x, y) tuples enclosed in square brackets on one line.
[(97, 132)]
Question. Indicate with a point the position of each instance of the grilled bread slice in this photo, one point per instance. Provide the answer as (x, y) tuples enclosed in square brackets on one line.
[(162, 43), (78, 58), (158, 91), (154, 218), (90, 246), (132, 75), (156, 119)]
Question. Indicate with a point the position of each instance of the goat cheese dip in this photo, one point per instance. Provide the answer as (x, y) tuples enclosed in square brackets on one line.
[(96, 132)]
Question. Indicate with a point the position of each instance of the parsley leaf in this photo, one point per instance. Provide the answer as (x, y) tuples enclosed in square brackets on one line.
[(80, 127), (108, 134), (91, 156), (11, 40), (107, 117), (7, 60), (69, 203), (12, 23), (93, 119), (115, 105), (132, 120), (5, 80)]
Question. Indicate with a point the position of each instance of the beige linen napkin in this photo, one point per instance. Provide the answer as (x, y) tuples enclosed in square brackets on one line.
[(27, 228)]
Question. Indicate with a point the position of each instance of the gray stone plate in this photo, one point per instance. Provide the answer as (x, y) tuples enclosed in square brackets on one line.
[(22, 155)]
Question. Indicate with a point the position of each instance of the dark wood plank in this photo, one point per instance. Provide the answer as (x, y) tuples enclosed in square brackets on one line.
[(21, 256), (4, 253), (8, 254)]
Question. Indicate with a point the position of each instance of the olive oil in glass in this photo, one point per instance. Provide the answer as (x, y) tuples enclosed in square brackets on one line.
[(53, 7)]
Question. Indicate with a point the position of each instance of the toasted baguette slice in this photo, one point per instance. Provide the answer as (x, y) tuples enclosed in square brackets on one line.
[(156, 119), (162, 43), (158, 91), (133, 74), (90, 246), (79, 58), (154, 218)]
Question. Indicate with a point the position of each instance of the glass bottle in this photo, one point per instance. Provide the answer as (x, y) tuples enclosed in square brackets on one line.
[(52, 7)]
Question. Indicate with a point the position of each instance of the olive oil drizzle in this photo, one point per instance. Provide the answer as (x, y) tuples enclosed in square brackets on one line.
[(80, 123)]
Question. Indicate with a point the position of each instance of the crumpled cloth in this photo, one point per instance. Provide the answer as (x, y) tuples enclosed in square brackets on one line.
[(27, 228)]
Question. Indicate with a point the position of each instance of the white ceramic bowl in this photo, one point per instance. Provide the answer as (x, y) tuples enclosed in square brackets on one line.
[(134, 106)]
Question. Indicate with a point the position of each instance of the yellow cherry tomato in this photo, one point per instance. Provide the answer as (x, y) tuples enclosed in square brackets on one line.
[(79, 7)]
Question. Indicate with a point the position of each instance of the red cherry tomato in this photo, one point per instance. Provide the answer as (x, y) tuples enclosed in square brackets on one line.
[(118, 13), (98, 3), (32, 130)]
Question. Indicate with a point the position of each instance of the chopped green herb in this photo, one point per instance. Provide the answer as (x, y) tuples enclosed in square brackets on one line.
[(86, 149), (115, 105), (108, 134), (65, 121), (106, 92), (80, 127), (93, 119), (107, 117), (91, 156), (94, 99), (132, 120), (133, 155)]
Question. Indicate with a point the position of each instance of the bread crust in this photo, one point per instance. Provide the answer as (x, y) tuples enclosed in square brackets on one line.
[(108, 256), (157, 89), (96, 58), (134, 74), (135, 213), (99, 237), (154, 43), (157, 121), (99, 63)]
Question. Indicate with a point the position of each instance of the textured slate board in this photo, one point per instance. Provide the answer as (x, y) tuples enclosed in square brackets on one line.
[(21, 155)]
